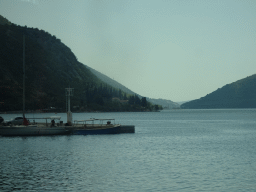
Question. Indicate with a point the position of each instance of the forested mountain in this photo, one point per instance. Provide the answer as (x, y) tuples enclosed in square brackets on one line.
[(240, 94), (50, 68), (163, 102)]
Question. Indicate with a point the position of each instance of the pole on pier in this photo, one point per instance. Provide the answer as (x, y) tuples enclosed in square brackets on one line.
[(69, 92)]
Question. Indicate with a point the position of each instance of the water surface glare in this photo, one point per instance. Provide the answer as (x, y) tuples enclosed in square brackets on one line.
[(178, 150)]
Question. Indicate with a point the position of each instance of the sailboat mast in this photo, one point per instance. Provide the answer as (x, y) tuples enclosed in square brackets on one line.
[(23, 76)]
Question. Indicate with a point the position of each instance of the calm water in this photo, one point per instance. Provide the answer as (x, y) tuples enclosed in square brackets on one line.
[(179, 150)]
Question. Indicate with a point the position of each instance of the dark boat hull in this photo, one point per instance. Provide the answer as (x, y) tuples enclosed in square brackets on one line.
[(64, 130)]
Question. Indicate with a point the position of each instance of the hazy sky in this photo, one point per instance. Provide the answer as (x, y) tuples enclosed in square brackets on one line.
[(171, 49)]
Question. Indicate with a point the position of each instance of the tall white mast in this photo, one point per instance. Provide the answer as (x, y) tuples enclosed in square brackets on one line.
[(69, 92), (23, 76)]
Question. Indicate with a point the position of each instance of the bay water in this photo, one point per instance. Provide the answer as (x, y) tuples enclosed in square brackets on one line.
[(171, 150)]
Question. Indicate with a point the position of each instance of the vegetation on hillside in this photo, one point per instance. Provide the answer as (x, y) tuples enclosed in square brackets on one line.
[(50, 68), (240, 94), (161, 103), (4, 21)]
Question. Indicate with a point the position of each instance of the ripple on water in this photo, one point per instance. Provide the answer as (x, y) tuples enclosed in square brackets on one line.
[(174, 151)]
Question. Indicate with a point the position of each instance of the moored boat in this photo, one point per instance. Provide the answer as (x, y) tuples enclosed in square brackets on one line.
[(14, 128), (32, 130), (40, 129), (35, 129), (82, 127)]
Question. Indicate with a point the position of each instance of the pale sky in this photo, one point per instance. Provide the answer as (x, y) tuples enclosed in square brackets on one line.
[(178, 50)]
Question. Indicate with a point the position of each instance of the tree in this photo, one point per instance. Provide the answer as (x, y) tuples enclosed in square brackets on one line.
[(137, 100), (156, 107), (144, 102), (131, 100), (125, 97)]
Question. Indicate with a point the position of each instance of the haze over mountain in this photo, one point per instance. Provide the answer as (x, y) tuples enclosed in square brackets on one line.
[(240, 94), (163, 102), (50, 68)]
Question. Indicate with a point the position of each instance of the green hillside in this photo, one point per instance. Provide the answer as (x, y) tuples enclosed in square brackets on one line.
[(240, 94), (50, 68)]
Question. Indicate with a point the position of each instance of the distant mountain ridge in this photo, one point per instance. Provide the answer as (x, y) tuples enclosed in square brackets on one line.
[(110, 81), (164, 102), (239, 94)]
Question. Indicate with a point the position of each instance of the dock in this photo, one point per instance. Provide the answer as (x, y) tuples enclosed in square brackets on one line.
[(127, 129)]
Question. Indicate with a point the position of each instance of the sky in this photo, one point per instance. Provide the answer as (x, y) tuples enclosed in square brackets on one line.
[(178, 50)]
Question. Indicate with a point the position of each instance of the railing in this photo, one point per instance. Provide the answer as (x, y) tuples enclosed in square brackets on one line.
[(52, 119), (102, 122)]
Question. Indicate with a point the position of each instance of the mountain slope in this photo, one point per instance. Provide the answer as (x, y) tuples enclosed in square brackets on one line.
[(163, 102), (240, 94), (50, 68), (4, 21), (111, 82)]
